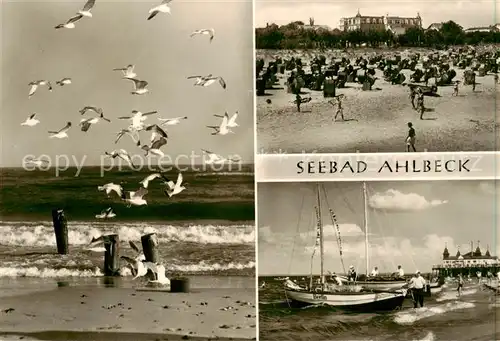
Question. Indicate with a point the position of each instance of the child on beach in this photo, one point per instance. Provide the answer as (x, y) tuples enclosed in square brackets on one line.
[(410, 140), (340, 110), (455, 89), (413, 94), (460, 285), (420, 105), (298, 101)]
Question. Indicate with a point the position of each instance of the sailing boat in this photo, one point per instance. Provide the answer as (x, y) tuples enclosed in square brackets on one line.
[(350, 297)]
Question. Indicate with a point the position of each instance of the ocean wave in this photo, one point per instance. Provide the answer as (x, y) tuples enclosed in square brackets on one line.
[(409, 317), (42, 234), (48, 272), (448, 296)]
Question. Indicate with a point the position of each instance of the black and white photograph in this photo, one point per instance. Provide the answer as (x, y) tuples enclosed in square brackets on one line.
[(376, 76), (127, 171), (378, 260)]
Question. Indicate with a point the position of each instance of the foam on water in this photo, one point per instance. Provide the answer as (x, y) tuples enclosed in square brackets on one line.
[(447, 296), (409, 317), (80, 233)]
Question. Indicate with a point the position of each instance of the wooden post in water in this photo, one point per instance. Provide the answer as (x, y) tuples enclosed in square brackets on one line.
[(111, 255), (149, 248), (61, 231), (180, 284)]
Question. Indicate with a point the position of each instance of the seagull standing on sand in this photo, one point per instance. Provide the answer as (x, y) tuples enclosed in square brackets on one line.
[(31, 121), (85, 123), (107, 213), (171, 121), (63, 82), (151, 177), (35, 84), (128, 72), (122, 154), (222, 129), (232, 121), (111, 187), (135, 198), (159, 271), (161, 8), (137, 118), (174, 188), (37, 162), (84, 12), (139, 86), (216, 159), (154, 148), (208, 80), (61, 133), (209, 31)]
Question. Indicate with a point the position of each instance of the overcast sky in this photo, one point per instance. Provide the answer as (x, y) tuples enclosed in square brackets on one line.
[(117, 35), (467, 13), (409, 223)]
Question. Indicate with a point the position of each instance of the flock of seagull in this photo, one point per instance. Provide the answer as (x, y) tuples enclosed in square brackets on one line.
[(93, 115)]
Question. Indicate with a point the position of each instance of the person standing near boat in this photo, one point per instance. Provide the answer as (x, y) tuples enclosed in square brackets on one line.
[(417, 286), (401, 272), (351, 274), (374, 272)]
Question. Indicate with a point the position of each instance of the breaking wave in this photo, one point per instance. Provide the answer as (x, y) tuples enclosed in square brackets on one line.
[(421, 313)]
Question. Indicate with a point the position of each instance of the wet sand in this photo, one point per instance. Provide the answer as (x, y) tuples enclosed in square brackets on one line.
[(90, 313), (377, 120)]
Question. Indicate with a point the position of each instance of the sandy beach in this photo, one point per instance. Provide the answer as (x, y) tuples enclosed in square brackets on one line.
[(90, 312), (376, 120)]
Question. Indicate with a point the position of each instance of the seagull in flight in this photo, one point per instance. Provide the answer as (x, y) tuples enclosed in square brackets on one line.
[(216, 159), (132, 132), (208, 31), (63, 82), (139, 86), (155, 146), (171, 121), (135, 198), (159, 271), (37, 162), (85, 123), (161, 8), (84, 12), (111, 187), (222, 129), (137, 264), (122, 154), (157, 132), (232, 121), (208, 80), (61, 133), (31, 121), (84, 110), (35, 84), (107, 213), (174, 188), (152, 177), (137, 118), (128, 71)]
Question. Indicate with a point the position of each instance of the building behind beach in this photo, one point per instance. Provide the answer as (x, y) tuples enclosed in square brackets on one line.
[(397, 25)]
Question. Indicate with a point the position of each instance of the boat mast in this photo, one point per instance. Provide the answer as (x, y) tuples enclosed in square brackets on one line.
[(365, 223), (320, 238)]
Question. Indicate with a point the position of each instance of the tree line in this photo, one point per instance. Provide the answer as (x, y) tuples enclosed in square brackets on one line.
[(296, 36)]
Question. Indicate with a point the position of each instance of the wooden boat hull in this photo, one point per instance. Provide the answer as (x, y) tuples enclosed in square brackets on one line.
[(382, 285), (366, 301)]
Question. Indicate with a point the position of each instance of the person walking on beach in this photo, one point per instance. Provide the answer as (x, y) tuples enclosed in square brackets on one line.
[(340, 109), (410, 139), (420, 104), (413, 94), (455, 89), (460, 281), (417, 285), (298, 101)]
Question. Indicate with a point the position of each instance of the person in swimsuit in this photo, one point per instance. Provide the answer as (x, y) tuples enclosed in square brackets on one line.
[(460, 285), (410, 140), (413, 94), (340, 110), (298, 101), (455, 89)]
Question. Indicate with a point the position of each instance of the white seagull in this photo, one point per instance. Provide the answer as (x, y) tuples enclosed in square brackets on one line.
[(128, 72), (216, 159), (171, 121), (135, 198), (37, 162), (174, 188), (107, 213), (110, 187), (31, 121), (232, 121), (207, 31), (137, 119), (85, 123), (132, 132), (154, 149), (151, 177), (35, 84), (159, 271), (222, 129), (122, 154), (91, 108), (137, 264), (157, 132), (84, 12), (208, 80), (139, 86), (61, 133), (63, 82), (161, 8)]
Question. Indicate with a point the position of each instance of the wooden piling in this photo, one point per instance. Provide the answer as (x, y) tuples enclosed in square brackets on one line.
[(149, 247), (61, 231), (179, 284), (112, 255)]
